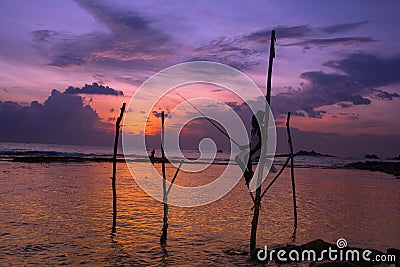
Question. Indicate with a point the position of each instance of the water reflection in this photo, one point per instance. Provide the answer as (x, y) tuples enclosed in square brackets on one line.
[(60, 214)]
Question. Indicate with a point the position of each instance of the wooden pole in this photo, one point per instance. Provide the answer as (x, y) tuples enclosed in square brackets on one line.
[(273, 180), (163, 238), (292, 175), (173, 179), (254, 223), (114, 189)]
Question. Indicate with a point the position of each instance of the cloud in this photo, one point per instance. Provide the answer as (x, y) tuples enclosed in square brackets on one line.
[(320, 90), (343, 27), (243, 51), (44, 36), (93, 89), (100, 78), (62, 118), (344, 105), (159, 114), (383, 95), (362, 73), (234, 61), (309, 36), (224, 46), (282, 32), (128, 40), (229, 51), (369, 69), (332, 41), (359, 100)]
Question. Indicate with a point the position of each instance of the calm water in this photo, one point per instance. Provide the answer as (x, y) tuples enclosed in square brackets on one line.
[(60, 214)]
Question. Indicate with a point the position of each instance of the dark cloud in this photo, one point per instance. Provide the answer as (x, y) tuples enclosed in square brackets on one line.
[(321, 37), (62, 118), (320, 90), (368, 69), (243, 51), (332, 41), (224, 46), (229, 51), (344, 105), (361, 74), (44, 36), (131, 81), (233, 61), (383, 95), (65, 50), (282, 32), (93, 89), (308, 35), (359, 100), (129, 41), (158, 114), (100, 78), (344, 27)]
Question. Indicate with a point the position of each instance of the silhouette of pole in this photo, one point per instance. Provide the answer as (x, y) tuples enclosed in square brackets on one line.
[(257, 202), (292, 175), (114, 189), (163, 238)]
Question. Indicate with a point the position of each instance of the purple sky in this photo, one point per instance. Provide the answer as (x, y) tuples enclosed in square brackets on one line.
[(337, 66)]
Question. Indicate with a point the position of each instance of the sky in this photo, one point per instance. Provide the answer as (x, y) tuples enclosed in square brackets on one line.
[(67, 66)]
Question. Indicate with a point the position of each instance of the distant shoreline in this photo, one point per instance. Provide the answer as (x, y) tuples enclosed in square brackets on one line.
[(392, 168)]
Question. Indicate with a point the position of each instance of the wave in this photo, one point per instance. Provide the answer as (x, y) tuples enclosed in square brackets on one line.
[(72, 153), (37, 153)]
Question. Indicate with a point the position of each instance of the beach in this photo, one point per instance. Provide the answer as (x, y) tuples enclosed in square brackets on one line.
[(60, 214)]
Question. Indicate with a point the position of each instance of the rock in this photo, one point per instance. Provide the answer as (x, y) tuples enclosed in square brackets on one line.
[(395, 252), (312, 154), (371, 156), (317, 245), (386, 167)]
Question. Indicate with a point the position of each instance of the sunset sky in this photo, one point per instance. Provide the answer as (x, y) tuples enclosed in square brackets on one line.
[(337, 65)]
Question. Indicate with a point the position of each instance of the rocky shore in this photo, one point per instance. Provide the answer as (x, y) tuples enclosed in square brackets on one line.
[(392, 168)]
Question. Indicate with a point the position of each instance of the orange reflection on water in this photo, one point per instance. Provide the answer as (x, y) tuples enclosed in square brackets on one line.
[(56, 213)]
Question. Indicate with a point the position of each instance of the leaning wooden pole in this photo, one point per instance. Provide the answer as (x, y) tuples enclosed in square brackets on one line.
[(254, 223), (163, 238), (114, 189), (292, 175)]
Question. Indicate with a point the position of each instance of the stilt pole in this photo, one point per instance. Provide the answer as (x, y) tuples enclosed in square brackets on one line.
[(292, 175), (114, 189), (254, 223), (164, 234)]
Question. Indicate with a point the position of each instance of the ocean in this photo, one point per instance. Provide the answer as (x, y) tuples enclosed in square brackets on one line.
[(60, 213), (10, 150)]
